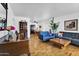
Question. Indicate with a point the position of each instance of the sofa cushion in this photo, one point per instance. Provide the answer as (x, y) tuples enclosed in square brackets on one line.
[(68, 38), (74, 37), (43, 33), (75, 41), (66, 34), (46, 36)]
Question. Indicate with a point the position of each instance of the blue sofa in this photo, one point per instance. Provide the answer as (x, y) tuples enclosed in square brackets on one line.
[(74, 37), (45, 36)]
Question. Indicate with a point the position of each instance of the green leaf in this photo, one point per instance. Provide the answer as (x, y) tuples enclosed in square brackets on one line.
[(54, 26)]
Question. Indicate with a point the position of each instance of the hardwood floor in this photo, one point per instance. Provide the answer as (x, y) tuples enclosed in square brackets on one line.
[(39, 48), (36, 47), (15, 48)]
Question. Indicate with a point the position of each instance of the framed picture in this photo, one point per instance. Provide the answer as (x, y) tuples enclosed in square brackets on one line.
[(71, 25)]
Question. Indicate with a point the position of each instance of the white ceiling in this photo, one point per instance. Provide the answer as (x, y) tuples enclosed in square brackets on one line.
[(44, 10)]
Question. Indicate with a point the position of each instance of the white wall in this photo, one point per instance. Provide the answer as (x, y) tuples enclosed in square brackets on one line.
[(10, 19), (2, 15), (61, 19), (45, 25), (16, 24), (2, 11)]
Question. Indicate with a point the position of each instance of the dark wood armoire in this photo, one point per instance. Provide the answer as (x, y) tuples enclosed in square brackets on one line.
[(23, 30)]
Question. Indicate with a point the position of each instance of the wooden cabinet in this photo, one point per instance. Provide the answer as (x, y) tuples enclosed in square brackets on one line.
[(23, 30), (15, 48)]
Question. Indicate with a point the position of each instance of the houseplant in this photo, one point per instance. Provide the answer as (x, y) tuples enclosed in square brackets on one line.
[(54, 25)]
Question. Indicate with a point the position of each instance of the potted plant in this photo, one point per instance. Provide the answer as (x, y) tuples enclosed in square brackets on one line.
[(53, 25)]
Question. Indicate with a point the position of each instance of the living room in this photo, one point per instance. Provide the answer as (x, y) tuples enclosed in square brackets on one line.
[(47, 27)]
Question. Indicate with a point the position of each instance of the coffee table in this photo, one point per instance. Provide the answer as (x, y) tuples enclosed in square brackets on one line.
[(62, 43)]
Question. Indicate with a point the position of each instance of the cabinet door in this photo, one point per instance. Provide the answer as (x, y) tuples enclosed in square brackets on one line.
[(22, 29)]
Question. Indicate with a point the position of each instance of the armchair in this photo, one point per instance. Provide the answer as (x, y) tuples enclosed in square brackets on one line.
[(45, 36)]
